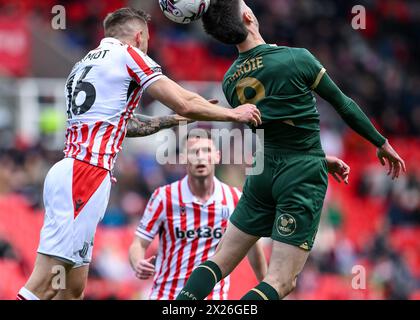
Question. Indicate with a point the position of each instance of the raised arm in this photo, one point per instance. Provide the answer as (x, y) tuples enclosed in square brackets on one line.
[(193, 106), (349, 111), (141, 125), (356, 119)]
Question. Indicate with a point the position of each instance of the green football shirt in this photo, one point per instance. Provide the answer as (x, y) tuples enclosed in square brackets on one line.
[(280, 82)]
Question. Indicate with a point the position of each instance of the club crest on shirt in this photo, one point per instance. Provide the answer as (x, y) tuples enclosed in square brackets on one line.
[(183, 210)]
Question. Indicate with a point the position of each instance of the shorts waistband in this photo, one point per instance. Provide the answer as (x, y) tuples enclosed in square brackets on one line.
[(294, 153)]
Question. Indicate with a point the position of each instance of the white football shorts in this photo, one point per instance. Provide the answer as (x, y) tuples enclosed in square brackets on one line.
[(76, 195)]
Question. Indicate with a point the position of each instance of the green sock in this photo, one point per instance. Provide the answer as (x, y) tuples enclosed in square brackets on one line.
[(201, 282), (263, 291)]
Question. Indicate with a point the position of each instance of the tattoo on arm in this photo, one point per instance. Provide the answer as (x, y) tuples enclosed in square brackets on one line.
[(141, 125)]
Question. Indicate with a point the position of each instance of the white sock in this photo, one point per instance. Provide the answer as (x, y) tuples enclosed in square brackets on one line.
[(25, 294)]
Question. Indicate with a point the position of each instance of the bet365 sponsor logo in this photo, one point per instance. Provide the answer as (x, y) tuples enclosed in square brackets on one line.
[(203, 232)]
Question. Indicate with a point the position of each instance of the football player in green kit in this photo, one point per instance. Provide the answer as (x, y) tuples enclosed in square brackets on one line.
[(285, 201)]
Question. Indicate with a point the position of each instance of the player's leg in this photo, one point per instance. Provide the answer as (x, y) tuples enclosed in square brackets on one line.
[(40, 284), (55, 249), (233, 247), (286, 262), (93, 191), (75, 198), (253, 218), (76, 280), (299, 188)]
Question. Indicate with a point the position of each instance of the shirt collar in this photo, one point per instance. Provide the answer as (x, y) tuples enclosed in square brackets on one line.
[(188, 197), (111, 40)]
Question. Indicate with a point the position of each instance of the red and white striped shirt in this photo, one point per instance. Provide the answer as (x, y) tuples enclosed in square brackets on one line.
[(189, 232), (102, 91)]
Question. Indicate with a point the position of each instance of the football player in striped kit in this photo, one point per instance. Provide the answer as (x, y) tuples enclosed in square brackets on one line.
[(189, 216), (102, 92)]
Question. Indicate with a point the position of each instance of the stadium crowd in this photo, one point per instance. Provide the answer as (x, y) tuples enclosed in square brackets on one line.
[(372, 223)]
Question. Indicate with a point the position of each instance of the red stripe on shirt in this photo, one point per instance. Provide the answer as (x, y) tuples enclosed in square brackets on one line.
[(155, 217), (209, 243), (194, 246), (129, 111), (95, 130), (140, 62), (120, 124), (224, 225), (67, 143), (104, 143), (73, 146), (224, 201), (85, 133), (222, 282), (164, 244), (69, 139), (133, 74), (134, 103), (183, 214), (170, 218), (234, 195)]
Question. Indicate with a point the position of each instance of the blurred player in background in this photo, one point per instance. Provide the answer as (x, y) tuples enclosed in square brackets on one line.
[(102, 91), (190, 216), (285, 201)]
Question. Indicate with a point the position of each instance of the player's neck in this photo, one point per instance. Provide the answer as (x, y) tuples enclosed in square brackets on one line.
[(202, 189), (253, 40)]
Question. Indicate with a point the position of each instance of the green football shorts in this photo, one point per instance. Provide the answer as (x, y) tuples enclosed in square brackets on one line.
[(284, 202)]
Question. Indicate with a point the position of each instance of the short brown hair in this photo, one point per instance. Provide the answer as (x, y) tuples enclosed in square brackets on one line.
[(119, 17)]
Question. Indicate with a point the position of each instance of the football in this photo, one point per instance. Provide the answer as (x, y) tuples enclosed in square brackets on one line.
[(184, 11)]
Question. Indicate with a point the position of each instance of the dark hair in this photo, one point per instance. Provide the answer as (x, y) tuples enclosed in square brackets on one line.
[(223, 21), (121, 16)]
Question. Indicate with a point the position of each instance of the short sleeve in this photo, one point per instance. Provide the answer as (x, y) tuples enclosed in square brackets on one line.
[(142, 68), (152, 217), (309, 67)]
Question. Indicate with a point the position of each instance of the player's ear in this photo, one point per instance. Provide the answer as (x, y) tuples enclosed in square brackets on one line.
[(138, 38), (247, 17)]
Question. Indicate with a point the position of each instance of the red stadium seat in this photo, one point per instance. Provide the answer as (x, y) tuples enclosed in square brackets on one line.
[(11, 279)]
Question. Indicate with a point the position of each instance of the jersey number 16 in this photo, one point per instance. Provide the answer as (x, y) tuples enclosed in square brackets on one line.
[(76, 105)]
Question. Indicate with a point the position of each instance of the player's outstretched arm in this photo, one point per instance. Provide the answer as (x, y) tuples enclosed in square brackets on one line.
[(356, 119), (141, 125), (143, 268), (193, 106), (258, 261)]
